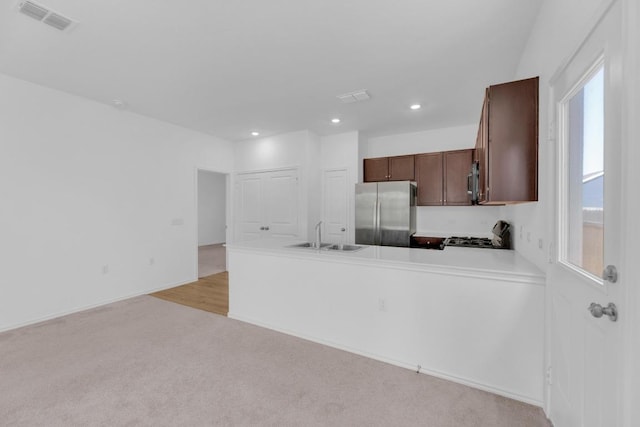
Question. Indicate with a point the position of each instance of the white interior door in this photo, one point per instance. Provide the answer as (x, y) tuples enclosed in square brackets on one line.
[(585, 350), (281, 203), (335, 206), (250, 222)]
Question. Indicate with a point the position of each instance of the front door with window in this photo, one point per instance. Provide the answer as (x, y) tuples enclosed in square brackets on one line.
[(584, 349)]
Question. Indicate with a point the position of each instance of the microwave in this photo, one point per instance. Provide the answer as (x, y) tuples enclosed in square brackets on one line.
[(473, 180)]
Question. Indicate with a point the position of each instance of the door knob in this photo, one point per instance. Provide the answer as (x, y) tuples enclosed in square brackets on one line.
[(343, 229), (597, 311)]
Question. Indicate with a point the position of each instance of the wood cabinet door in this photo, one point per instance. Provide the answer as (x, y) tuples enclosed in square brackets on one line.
[(376, 170), (429, 174), (482, 151), (513, 142), (401, 168), (457, 166)]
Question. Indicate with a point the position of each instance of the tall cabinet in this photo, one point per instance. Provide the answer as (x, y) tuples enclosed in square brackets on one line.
[(507, 143)]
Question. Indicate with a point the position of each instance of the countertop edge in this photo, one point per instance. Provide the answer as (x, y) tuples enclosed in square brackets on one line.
[(448, 270)]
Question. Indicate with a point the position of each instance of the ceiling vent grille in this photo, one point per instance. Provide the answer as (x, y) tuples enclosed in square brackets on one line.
[(33, 10), (41, 13), (359, 95), (57, 21)]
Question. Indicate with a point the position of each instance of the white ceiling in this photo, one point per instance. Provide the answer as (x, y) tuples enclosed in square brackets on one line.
[(229, 67)]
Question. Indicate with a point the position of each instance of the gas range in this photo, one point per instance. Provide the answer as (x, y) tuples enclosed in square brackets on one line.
[(470, 242)]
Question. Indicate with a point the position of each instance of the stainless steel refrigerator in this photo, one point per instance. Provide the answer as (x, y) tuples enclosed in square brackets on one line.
[(385, 213)]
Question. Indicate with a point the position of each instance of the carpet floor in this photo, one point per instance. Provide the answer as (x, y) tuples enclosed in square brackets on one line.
[(146, 361)]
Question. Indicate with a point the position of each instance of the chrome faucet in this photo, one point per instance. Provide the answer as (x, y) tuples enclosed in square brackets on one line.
[(318, 235)]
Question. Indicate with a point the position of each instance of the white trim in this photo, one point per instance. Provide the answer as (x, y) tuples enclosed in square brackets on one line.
[(560, 110), (588, 29), (281, 169), (403, 364), (630, 371), (445, 270)]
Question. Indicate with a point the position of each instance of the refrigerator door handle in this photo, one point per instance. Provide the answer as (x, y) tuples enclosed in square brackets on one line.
[(378, 233)]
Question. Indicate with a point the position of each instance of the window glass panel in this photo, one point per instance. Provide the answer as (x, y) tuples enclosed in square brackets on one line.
[(585, 195)]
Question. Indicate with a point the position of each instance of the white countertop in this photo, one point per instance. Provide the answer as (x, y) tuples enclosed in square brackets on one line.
[(499, 264)]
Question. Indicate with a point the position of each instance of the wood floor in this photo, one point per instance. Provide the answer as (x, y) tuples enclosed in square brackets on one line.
[(209, 293)]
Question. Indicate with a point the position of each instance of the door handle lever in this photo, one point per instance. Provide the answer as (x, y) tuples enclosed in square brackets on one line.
[(598, 311)]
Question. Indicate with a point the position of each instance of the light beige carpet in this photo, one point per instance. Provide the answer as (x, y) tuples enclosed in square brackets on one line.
[(212, 259), (146, 361)]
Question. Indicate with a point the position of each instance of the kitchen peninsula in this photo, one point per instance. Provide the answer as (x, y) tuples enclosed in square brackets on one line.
[(467, 315)]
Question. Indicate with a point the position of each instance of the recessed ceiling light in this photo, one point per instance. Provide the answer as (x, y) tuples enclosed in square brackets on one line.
[(335, 120), (254, 133), (415, 106)]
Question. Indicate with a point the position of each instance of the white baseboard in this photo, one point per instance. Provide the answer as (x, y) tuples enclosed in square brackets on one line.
[(402, 364), (90, 306)]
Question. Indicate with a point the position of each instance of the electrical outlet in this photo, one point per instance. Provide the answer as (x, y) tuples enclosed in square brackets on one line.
[(382, 304), (540, 243), (105, 269)]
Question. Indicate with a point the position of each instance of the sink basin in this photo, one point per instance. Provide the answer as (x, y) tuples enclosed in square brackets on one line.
[(326, 247), (309, 245), (345, 248)]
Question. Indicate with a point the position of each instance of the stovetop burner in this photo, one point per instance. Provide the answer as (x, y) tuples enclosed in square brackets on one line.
[(472, 242)]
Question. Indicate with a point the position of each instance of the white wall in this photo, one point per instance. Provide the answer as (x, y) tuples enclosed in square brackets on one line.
[(291, 150), (445, 139), (561, 25), (212, 204), (342, 152), (84, 186), (439, 220), (313, 172), (478, 328)]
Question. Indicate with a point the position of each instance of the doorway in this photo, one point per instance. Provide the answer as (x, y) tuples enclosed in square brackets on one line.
[(585, 330), (212, 222)]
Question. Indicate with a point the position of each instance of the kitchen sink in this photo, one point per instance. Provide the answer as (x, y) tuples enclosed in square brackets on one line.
[(309, 245), (345, 248), (327, 247)]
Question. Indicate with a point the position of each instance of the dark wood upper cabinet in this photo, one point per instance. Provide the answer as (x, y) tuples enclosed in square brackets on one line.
[(457, 166), (398, 168), (429, 175), (442, 178), (402, 168), (376, 170), (507, 144)]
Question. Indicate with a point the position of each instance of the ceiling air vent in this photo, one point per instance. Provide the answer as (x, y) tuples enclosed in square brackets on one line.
[(41, 13), (33, 10), (57, 21), (359, 95)]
